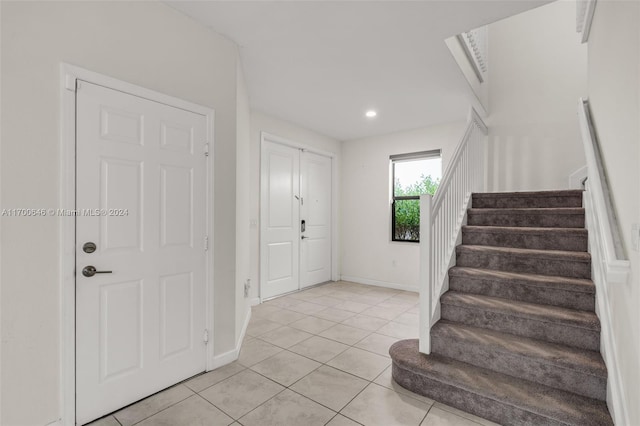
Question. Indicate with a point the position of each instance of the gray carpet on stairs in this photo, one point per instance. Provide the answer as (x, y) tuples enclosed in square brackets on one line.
[(518, 340)]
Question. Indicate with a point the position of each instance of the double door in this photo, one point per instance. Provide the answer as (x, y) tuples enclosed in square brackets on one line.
[(295, 249)]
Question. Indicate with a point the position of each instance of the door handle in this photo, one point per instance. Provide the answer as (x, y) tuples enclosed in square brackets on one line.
[(89, 271), (303, 237)]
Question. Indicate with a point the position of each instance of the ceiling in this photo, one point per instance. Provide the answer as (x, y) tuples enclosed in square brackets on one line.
[(323, 64)]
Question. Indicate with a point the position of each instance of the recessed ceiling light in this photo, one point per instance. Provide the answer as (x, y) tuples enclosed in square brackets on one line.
[(371, 113)]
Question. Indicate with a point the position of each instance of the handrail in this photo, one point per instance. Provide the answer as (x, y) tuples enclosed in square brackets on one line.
[(442, 217), (614, 255), (473, 118), (609, 264)]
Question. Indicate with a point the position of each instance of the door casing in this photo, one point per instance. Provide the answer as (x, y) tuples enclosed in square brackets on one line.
[(69, 74), (269, 137)]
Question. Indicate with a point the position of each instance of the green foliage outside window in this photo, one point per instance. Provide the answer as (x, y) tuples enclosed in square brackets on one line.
[(407, 212)]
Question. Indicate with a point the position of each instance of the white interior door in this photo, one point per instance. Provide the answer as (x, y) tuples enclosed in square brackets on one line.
[(280, 219), (141, 199), (315, 212), (295, 186)]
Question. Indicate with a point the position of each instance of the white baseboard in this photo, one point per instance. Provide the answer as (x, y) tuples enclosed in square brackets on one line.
[(255, 301), (377, 283), (55, 423), (232, 355)]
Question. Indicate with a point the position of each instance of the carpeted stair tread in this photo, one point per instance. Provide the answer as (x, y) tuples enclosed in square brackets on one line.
[(569, 239), (524, 230), (589, 362), (564, 198), (551, 364), (528, 253), (494, 396), (530, 194), (545, 262), (572, 293), (543, 313), (555, 217), (531, 211), (581, 285)]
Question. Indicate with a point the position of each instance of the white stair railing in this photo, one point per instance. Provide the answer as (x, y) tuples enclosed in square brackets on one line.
[(609, 263), (441, 220), (598, 196)]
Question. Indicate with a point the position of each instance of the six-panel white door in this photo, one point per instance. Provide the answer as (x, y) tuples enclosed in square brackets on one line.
[(280, 219), (315, 211), (141, 197)]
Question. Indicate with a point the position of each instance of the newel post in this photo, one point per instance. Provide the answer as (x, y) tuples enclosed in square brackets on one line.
[(424, 280)]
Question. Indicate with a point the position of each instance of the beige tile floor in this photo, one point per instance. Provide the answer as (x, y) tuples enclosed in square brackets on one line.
[(316, 357)]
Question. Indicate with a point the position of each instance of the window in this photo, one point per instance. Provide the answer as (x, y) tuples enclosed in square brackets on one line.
[(412, 175)]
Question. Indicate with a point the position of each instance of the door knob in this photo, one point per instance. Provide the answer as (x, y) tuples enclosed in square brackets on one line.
[(89, 271), (303, 237)]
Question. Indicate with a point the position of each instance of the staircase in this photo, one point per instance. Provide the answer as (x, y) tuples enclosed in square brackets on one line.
[(518, 340)]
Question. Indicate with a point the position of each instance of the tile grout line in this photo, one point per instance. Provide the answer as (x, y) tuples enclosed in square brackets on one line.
[(370, 382), (247, 368), (166, 408), (280, 308), (220, 381), (337, 341), (218, 408), (311, 372)]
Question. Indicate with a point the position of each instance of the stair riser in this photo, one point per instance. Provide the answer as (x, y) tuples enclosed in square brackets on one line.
[(526, 220), (526, 202), (525, 368), (548, 331), (555, 241), (525, 293), (497, 411), (524, 264)]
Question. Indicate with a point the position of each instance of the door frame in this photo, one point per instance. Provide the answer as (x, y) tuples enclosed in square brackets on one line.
[(69, 74), (335, 167)]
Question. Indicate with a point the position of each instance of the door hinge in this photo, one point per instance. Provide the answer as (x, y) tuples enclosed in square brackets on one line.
[(206, 149), (205, 337), (206, 243)]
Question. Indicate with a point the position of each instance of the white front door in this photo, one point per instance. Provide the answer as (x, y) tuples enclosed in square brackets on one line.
[(315, 212), (280, 219), (295, 195), (141, 199)]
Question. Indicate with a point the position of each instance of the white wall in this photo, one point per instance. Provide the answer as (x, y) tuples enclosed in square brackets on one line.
[(537, 72), (261, 122), (144, 43), (243, 201), (368, 254), (614, 94)]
